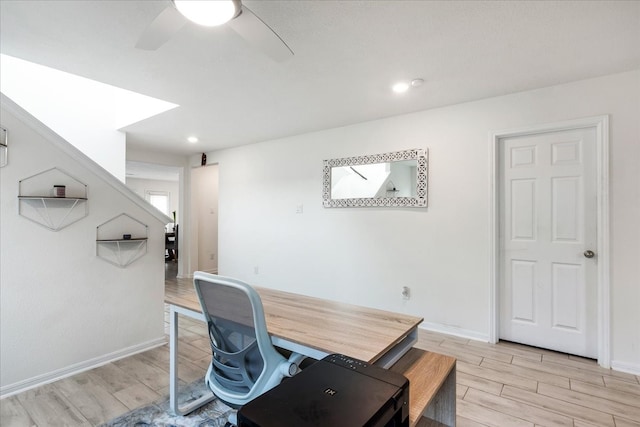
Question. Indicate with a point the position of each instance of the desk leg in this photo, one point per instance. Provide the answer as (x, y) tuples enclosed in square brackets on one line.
[(173, 370), (173, 361)]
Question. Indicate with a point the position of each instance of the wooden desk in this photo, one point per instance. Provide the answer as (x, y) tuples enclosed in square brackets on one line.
[(316, 328)]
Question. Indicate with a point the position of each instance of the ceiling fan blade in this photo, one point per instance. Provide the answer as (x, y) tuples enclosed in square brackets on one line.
[(256, 32), (161, 29)]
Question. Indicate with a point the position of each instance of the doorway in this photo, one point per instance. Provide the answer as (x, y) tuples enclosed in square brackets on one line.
[(162, 186), (550, 239)]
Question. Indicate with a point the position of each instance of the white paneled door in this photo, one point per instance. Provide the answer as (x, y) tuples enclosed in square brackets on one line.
[(548, 214)]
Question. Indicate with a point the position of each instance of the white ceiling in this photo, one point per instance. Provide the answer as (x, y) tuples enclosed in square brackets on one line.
[(142, 170), (347, 54)]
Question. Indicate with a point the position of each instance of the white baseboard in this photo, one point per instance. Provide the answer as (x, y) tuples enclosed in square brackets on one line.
[(454, 330), (629, 368), (76, 368)]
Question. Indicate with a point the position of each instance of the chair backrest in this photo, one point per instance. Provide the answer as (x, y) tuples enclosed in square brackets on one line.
[(244, 362), (171, 239)]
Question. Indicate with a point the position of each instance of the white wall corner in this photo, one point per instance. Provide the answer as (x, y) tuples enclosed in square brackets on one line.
[(629, 368)]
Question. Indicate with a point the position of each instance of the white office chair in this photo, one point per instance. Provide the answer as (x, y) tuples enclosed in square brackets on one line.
[(244, 364)]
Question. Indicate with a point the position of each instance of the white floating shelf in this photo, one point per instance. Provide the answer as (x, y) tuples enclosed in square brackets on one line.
[(54, 213), (111, 245)]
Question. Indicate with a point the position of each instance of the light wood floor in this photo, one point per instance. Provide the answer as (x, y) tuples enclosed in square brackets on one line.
[(497, 385)]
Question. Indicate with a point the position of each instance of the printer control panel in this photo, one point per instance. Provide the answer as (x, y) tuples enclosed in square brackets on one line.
[(366, 369), (346, 361)]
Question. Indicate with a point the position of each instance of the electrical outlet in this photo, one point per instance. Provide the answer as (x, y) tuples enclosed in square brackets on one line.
[(299, 209), (406, 292), (212, 256), (256, 270)]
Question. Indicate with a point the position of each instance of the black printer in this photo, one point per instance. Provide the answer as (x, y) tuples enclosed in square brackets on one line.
[(336, 391)]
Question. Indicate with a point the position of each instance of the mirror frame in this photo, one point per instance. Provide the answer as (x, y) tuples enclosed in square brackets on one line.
[(420, 201)]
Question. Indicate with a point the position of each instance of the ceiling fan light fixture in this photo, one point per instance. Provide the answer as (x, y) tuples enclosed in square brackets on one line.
[(208, 13)]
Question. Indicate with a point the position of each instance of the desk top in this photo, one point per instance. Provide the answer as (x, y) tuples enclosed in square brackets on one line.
[(329, 326)]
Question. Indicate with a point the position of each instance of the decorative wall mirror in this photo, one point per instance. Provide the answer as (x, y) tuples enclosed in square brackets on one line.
[(396, 179)]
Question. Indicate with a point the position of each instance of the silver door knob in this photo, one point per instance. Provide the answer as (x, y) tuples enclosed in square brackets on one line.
[(589, 254)]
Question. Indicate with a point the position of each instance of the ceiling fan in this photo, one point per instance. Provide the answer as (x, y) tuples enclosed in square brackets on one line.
[(212, 13)]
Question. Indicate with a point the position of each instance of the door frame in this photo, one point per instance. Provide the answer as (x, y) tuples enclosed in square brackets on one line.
[(601, 125)]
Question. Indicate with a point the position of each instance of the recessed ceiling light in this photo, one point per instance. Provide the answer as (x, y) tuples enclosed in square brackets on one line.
[(400, 87), (192, 139)]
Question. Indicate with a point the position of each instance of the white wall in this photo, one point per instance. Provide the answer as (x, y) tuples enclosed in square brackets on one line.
[(442, 253), (62, 309)]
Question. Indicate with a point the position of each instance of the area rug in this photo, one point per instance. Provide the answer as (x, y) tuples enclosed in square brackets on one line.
[(213, 414)]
